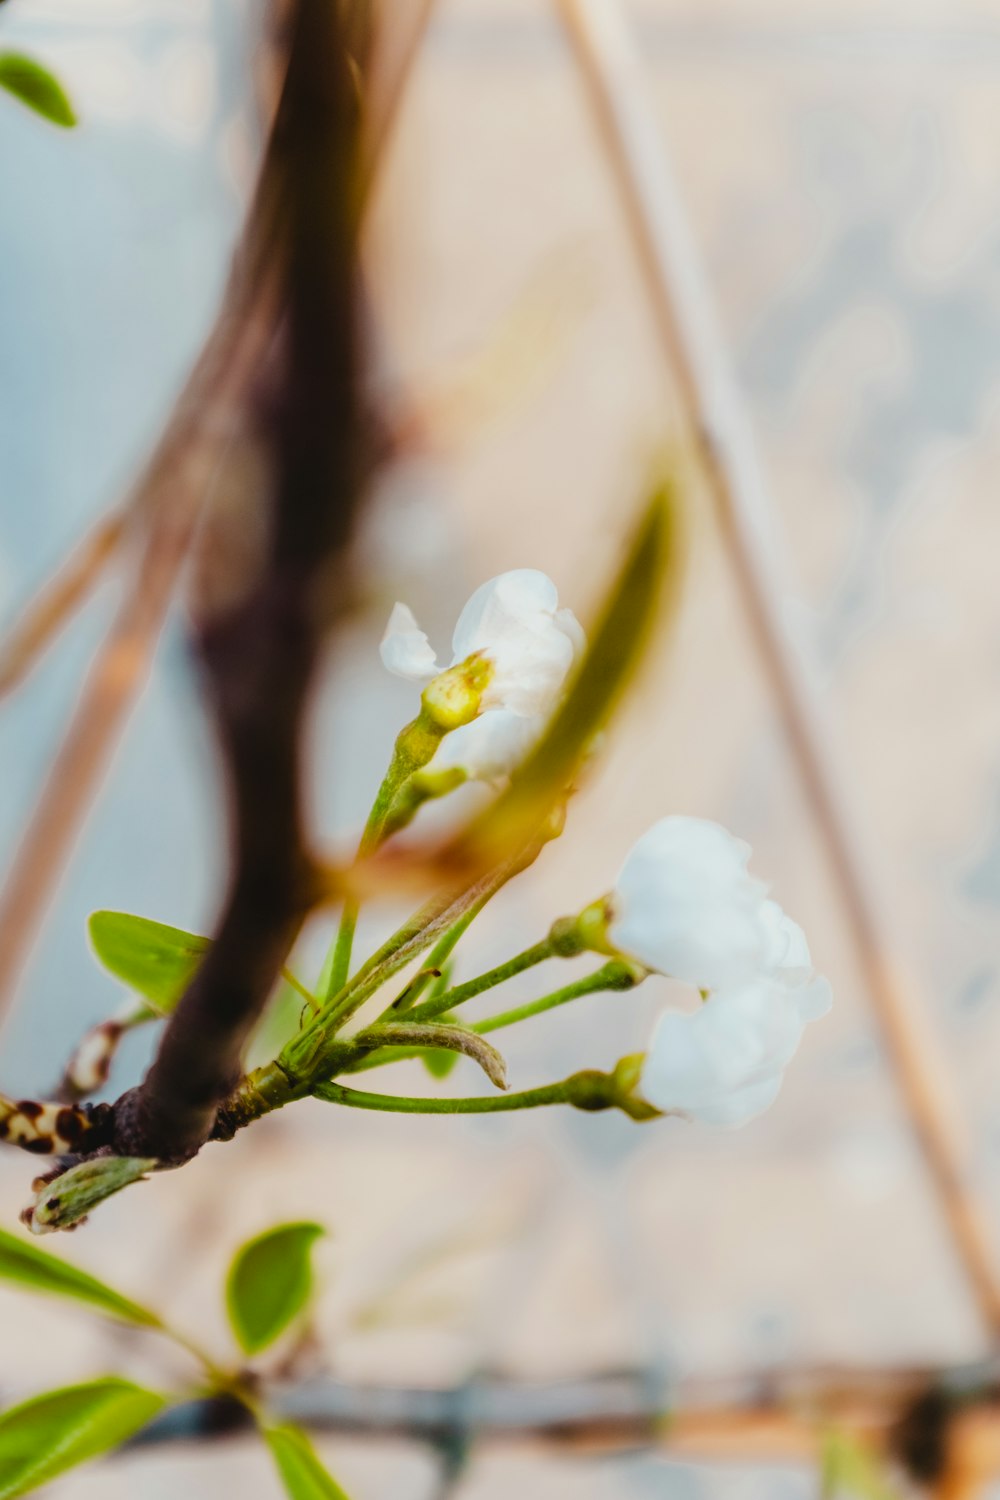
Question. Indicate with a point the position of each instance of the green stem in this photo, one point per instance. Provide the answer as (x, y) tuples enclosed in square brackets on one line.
[(615, 975), (415, 746), (483, 982), (436, 960), (552, 1093)]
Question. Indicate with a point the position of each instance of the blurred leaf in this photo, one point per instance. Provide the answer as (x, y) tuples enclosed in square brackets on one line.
[(269, 1283), (438, 1062), (30, 1267), (37, 88), (49, 1434), (615, 648), (303, 1475), (156, 960), (70, 1197), (848, 1467)]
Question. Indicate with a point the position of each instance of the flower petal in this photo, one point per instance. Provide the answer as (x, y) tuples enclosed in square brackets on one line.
[(685, 905), (514, 620), (489, 748), (723, 1064), (405, 649)]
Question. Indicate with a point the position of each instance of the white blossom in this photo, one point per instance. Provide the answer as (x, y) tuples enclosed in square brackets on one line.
[(514, 622), (685, 905)]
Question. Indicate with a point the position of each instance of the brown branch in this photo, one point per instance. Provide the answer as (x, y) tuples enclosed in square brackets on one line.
[(940, 1427), (164, 509), (258, 652), (168, 502), (58, 600)]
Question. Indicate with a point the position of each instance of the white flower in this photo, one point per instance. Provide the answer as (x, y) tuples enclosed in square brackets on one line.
[(723, 1064), (513, 622), (685, 905)]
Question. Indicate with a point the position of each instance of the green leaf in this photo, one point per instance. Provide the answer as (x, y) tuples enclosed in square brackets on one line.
[(303, 1476), (38, 1271), (37, 88), (269, 1283), (848, 1467), (615, 648), (438, 1062), (49, 1434), (156, 960)]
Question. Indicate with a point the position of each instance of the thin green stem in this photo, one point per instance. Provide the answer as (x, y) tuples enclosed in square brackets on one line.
[(436, 960), (618, 974), (337, 966), (612, 976), (415, 745), (552, 1093), (296, 984), (452, 998)]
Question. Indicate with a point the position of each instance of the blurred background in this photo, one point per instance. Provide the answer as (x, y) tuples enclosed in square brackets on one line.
[(840, 167)]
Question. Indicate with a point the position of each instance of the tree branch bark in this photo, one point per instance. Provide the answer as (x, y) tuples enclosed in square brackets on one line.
[(258, 652)]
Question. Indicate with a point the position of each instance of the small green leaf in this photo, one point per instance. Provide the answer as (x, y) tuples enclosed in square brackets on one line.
[(30, 1267), (156, 960), (848, 1467), (438, 1062), (269, 1283), (37, 88), (49, 1434), (302, 1474)]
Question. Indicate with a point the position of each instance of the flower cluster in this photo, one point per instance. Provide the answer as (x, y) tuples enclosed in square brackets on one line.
[(684, 904)]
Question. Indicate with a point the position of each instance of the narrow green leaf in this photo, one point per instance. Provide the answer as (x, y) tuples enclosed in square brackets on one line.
[(49, 1434), (157, 961), (269, 1283), (38, 1271), (36, 87), (616, 645), (302, 1473)]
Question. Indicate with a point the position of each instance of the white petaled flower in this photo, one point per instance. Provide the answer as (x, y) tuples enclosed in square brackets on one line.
[(514, 623), (723, 1064), (685, 905)]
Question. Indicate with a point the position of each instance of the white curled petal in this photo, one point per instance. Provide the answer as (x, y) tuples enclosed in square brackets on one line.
[(571, 627), (684, 904), (724, 1063), (514, 621), (742, 1106), (813, 998), (501, 606), (787, 948), (489, 748), (405, 649)]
